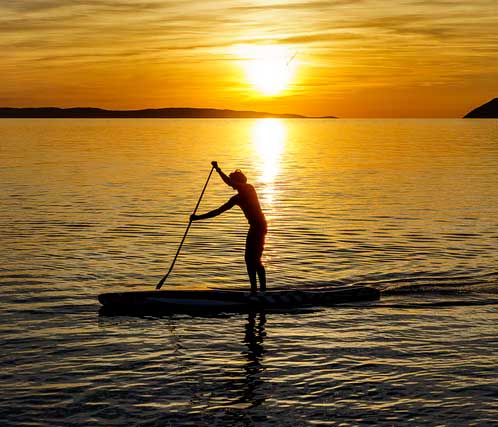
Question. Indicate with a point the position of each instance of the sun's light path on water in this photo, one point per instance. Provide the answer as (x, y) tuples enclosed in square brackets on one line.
[(269, 69), (268, 138)]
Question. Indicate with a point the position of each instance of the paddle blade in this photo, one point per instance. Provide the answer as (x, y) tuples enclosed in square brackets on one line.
[(158, 286)]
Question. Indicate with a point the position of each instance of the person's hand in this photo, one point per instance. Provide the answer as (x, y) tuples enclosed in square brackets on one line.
[(215, 164), (193, 218)]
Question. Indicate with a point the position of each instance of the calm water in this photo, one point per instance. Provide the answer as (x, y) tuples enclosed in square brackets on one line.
[(408, 206)]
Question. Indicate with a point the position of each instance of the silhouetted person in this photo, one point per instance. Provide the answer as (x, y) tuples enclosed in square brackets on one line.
[(248, 201)]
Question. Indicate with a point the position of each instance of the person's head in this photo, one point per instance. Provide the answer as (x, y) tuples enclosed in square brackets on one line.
[(237, 178)]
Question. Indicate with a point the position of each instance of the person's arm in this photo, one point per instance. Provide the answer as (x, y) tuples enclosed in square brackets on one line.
[(225, 178), (223, 208)]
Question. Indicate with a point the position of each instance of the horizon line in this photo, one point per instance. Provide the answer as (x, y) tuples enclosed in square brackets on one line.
[(202, 112)]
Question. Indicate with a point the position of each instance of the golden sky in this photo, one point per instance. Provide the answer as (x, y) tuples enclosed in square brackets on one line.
[(348, 58)]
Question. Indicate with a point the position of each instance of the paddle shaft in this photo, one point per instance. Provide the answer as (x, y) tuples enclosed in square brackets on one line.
[(158, 286)]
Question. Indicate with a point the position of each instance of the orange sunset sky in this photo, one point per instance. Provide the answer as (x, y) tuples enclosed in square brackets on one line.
[(348, 58)]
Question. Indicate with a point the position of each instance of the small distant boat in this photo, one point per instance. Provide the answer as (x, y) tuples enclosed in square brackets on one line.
[(217, 300)]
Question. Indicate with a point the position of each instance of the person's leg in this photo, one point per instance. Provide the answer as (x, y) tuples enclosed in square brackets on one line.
[(261, 276), (250, 261), (260, 268), (255, 244), (251, 271)]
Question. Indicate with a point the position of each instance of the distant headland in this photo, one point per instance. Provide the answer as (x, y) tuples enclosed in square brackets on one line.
[(485, 111), (150, 113)]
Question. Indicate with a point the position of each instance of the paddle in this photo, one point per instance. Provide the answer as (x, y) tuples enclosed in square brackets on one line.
[(158, 286)]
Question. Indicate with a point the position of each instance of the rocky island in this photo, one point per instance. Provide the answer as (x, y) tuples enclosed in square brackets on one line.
[(98, 113), (485, 111)]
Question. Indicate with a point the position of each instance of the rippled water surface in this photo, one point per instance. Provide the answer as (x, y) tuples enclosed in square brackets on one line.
[(92, 206)]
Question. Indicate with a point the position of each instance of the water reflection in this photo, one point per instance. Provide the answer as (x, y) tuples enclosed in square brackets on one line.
[(222, 383), (268, 137), (254, 335)]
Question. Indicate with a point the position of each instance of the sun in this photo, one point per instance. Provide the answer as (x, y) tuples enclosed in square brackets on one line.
[(269, 69)]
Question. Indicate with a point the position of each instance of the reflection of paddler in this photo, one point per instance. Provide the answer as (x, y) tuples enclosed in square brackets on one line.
[(247, 199), (254, 336)]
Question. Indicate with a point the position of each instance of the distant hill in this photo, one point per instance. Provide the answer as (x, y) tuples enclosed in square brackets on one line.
[(485, 111), (53, 112)]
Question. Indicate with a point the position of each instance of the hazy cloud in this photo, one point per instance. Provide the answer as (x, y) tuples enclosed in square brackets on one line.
[(192, 24)]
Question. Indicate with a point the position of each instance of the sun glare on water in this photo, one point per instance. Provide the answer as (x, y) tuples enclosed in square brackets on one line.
[(268, 138), (269, 69)]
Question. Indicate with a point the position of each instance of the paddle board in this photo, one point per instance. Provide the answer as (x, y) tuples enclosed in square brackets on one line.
[(232, 300)]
